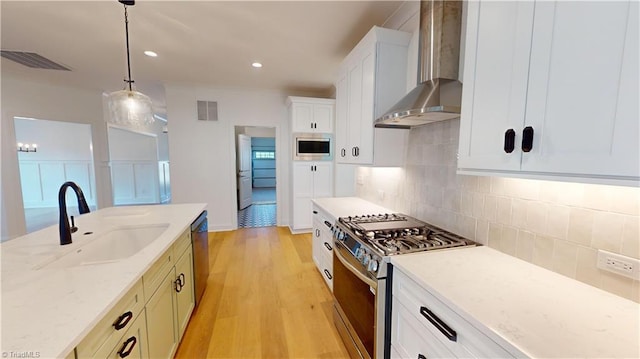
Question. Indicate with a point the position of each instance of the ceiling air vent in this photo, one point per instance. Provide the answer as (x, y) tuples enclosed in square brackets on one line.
[(207, 111), (33, 60)]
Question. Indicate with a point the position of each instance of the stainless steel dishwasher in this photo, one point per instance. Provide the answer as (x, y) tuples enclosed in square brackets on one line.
[(200, 242)]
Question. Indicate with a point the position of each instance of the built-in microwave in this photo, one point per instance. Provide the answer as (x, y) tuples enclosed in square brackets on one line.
[(312, 147)]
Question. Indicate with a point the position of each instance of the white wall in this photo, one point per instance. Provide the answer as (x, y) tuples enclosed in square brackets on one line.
[(31, 99), (202, 153), (44, 101), (64, 154)]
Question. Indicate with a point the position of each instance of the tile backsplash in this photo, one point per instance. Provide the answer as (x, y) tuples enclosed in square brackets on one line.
[(556, 225)]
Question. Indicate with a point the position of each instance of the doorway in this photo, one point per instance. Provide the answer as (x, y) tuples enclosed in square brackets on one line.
[(51, 153), (256, 176)]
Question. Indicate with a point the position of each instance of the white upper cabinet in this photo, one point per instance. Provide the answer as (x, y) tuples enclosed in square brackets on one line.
[(561, 86), (313, 115), (371, 79)]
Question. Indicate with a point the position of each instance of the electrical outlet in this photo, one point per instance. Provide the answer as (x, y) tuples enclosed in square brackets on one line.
[(619, 264)]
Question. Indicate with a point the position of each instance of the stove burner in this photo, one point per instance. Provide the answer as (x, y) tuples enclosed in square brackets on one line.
[(391, 234)]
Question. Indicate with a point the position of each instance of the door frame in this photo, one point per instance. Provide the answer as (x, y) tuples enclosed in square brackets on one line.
[(280, 161)]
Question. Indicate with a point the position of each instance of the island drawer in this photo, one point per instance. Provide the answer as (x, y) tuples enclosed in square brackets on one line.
[(152, 279), (113, 326), (455, 333)]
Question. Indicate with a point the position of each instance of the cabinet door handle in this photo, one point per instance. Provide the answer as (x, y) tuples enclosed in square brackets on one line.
[(317, 233), (357, 151), (178, 284), (326, 272), (183, 281), (315, 168), (353, 151), (124, 351), (439, 324), (328, 246), (420, 356), (315, 212), (311, 123), (343, 152), (509, 140), (123, 320), (527, 139)]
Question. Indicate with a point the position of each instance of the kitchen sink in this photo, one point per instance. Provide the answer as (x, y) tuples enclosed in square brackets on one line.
[(111, 246)]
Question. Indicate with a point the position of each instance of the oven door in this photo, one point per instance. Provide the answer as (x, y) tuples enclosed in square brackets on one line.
[(355, 305)]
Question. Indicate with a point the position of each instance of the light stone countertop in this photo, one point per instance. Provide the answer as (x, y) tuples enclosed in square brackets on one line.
[(349, 206), (527, 309), (48, 311)]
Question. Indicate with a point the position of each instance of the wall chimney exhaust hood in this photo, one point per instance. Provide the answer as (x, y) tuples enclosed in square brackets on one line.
[(439, 94)]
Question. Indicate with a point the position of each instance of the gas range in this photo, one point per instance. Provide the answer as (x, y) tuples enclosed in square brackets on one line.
[(369, 238)]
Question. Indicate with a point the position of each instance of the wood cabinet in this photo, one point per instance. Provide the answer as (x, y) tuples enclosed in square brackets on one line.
[(322, 244), (185, 296), (371, 79), (308, 114), (310, 180), (552, 95), (161, 319), (424, 327), (134, 342), (110, 331), (171, 304)]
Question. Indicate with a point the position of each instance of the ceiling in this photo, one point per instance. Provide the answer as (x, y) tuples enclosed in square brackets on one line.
[(202, 43)]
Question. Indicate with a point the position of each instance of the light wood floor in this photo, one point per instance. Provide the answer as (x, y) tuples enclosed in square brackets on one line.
[(264, 299)]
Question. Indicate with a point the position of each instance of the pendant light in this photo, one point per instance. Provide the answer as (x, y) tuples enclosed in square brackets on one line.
[(129, 107)]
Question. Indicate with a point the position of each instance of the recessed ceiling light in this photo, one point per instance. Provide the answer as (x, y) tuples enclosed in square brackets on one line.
[(256, 64), (150, 53)]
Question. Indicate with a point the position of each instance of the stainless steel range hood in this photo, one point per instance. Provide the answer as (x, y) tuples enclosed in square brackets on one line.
[(438, 96)]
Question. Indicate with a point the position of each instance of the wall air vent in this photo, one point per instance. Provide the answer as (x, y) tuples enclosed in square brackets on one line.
[(33, 60), (207, 111)]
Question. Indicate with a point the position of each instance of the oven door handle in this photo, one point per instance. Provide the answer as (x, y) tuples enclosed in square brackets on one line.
[(338, 248)]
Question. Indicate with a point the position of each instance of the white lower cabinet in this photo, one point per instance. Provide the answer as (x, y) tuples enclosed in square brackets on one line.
[(310, 180), (322, 244), (424, 327)]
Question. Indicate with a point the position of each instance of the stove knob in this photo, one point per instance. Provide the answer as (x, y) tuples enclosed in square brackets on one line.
[(366, 260), (373, 266), (360, 253)]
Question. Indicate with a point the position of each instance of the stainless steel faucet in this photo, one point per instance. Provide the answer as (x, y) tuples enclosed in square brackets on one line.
[(65, 229)]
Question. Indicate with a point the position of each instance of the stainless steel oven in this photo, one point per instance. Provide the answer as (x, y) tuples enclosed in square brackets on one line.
[(362, 246)]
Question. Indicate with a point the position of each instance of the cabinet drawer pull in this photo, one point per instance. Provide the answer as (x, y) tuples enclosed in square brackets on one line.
[(439, 324), (124, 352), (509, 140), (328, 224), (343, 152), (326, 272), (328, 246), (420, 356), (123, 320), (315, 212), (527, 139)]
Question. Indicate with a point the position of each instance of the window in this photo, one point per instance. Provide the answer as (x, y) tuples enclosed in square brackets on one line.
[(264, 155)]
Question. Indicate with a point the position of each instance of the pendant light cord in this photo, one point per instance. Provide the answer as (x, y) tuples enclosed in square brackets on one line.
[(126, 29)]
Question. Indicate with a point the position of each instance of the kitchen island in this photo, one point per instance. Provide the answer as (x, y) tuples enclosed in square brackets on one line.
[(48, 309)]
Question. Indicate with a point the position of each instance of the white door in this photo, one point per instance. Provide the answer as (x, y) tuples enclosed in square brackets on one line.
[(244, 171)]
